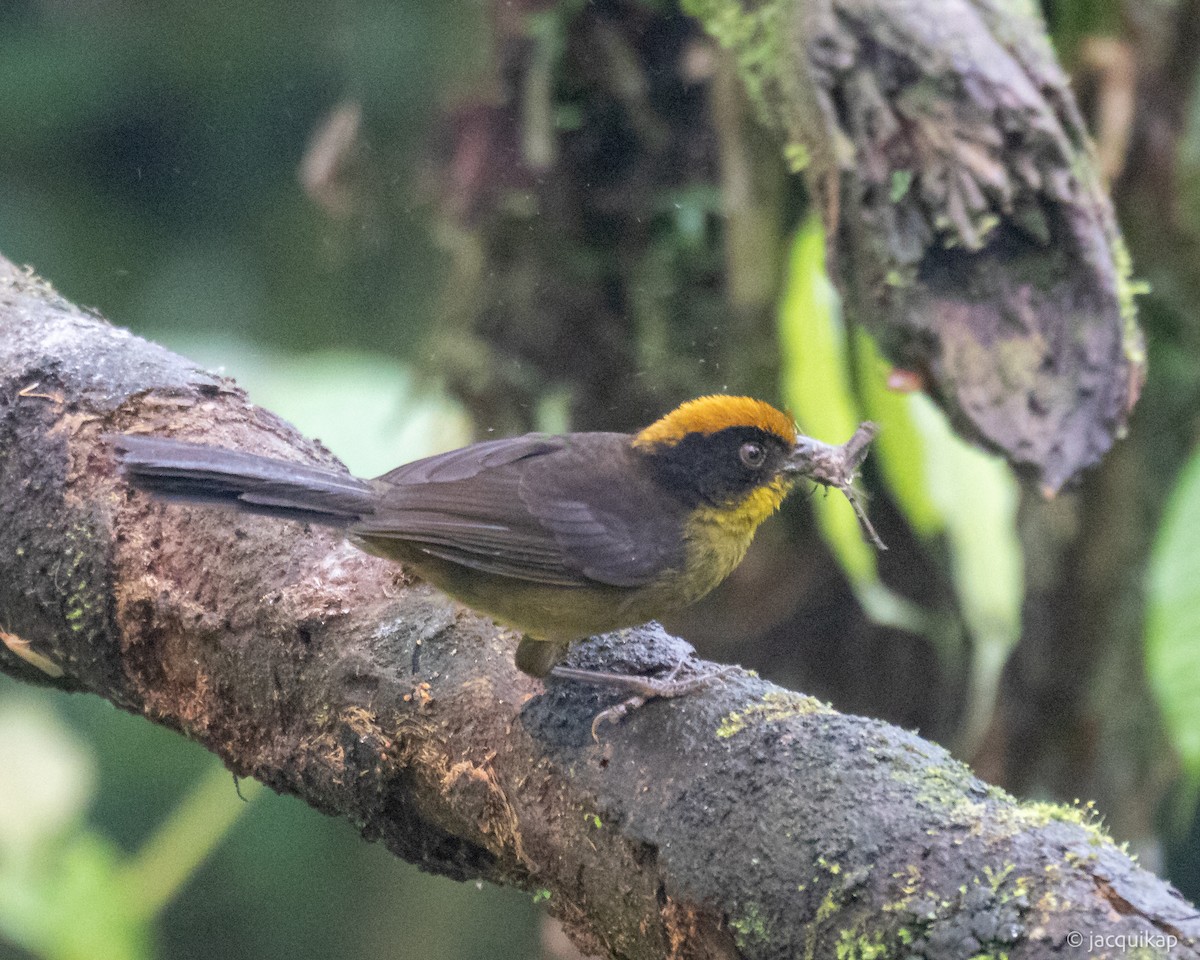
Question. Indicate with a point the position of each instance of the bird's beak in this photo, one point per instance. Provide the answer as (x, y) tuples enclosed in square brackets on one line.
[(802, 460)]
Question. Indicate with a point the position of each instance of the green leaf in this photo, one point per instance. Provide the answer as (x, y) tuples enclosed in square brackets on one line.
[(66, 893), (942, 484), (1173, 616), (945, 486), (196, 827), (813, 340), (55, 772), (67, 903), (816, 383), (976, 496), (59, 897), (817, 387), (899, 448)]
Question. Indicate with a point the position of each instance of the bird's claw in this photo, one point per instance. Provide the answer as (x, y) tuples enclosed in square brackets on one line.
[(615, 714), (644, 688)]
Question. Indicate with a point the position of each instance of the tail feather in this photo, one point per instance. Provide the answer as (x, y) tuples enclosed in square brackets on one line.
[(194, 472)]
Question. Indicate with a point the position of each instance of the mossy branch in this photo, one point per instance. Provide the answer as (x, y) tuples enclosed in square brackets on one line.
[(744, 821), (970, 229)]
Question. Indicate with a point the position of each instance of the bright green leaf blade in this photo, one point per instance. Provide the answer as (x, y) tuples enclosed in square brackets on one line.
[(898, 448), (196, 827), (103, 924), (976, 496), (945, 486), (813, 341), (1173, 616), (816, 383), (68, 903), (817, 387)]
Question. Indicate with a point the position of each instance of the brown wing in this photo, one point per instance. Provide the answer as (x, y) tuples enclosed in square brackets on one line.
[(569, 511)]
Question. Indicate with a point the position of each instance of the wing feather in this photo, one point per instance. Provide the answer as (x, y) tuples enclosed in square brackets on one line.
[(468, 462), (532, 508)]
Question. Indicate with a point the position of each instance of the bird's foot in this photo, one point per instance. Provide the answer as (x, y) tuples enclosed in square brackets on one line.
[(643, 688)]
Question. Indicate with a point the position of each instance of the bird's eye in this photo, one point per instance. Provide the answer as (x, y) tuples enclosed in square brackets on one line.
[(753, 454)]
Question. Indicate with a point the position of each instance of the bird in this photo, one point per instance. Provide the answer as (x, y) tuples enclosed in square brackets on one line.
[(558, 537)]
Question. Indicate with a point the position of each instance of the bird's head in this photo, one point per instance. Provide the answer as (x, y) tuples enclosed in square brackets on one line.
[(735, 455)]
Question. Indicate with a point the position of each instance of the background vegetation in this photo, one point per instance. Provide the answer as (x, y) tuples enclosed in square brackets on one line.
[(402, 225)]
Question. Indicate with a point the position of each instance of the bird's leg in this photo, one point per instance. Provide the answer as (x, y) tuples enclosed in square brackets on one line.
[(643, 688), (537, 657)]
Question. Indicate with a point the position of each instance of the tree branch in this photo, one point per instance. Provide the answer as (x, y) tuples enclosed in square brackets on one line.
[(744, 821), (969, 226)]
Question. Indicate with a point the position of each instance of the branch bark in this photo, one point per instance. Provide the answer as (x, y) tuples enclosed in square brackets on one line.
[(959, 188), (745, 821)]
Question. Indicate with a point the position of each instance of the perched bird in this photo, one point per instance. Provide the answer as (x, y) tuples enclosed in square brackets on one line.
[(559, 537)]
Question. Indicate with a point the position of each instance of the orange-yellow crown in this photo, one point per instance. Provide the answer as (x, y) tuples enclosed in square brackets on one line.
[(711, 414)]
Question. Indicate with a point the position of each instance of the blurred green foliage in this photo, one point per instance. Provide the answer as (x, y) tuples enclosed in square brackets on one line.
[(150, 156), (123, 806), (1173, 619), (66, 890), (1071, 21), (373, 412), (817, 385)]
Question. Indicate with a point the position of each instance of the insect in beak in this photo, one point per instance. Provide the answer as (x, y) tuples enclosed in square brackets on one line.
[(835, 466)]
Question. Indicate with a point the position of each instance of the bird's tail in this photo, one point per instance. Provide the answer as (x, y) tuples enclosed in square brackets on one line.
[(201, 474)]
